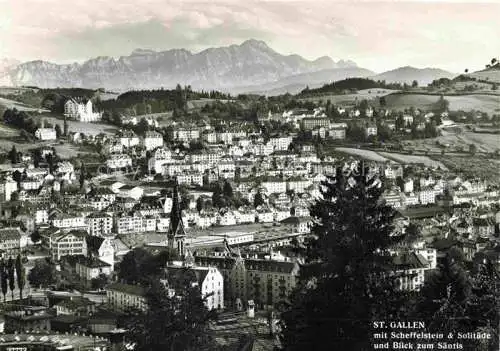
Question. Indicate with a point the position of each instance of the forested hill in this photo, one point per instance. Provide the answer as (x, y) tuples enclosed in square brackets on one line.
[(350, 84)]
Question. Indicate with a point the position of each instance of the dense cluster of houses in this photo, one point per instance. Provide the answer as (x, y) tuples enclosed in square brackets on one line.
[(268, 186)]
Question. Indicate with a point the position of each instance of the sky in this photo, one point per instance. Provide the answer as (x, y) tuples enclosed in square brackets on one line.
[(452, 35)]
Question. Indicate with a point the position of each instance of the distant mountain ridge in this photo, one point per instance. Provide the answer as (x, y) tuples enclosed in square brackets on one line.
[(249, 67), (224, 68), (296, 83)]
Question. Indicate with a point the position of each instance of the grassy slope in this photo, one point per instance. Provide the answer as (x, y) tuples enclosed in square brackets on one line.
[(479, 102)]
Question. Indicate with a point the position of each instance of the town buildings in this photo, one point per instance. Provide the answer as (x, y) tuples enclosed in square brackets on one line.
[(265, 281), (208, 279)]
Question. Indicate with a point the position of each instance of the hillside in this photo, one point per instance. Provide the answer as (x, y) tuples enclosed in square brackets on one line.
[(471, 102), (490, 74), (408, 74)]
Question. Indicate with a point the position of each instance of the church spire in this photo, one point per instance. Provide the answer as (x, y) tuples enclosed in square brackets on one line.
[(176, 232), (175, 213)]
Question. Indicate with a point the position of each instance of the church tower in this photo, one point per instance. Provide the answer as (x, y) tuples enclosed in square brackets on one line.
[(176, 233)]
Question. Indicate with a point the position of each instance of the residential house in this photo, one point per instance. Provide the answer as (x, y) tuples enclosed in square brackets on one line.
[(28, 318), (208, 279), (336, 133), (410, 267), (483, 227), (61, 243), (99, 224), (123, 297), (89, 268), (10, 242), (128, 139), (46, 134), (274, 185), (61, 219), (152, 140), (118, 161), (75, 306), (370, 130)]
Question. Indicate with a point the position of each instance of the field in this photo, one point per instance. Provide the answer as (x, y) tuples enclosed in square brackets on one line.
[(365, 154), (65, 151), (366, 94), (479, 85), (8, 132), (456, 142), (107, 95), (199, 103), (83, 127), (379, 156), (490, 75), (478, 166), (4, 90), (402, 158), (20, 106), (479, 102)]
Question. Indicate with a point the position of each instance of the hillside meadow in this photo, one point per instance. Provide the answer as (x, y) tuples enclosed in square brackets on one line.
[(477, 102)]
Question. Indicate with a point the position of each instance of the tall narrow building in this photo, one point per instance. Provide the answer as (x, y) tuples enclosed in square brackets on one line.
[(176, 233)]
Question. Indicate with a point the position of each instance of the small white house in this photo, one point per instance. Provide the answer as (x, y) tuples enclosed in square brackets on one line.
[(45, 134)]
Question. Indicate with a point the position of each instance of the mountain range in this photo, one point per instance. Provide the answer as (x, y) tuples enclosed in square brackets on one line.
[(249, 67)]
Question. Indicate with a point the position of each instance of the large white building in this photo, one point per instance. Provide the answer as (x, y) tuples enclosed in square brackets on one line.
[(81, 111)]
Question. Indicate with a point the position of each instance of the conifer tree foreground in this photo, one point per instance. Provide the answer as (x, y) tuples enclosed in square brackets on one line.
[(347, 279), (178, 323)]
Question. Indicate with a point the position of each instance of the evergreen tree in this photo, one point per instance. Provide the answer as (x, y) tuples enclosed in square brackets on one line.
[(228, 190), (4, 280), (58, 131), (485, 305), (66, 130), (176, 323), (199, 204), (139, 266), (37, 158), (347, 279), (83, 172), (453, 300), (50, 162), (258, 200), (20, 275), (11, 276), (13, 155), (217, 196)]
